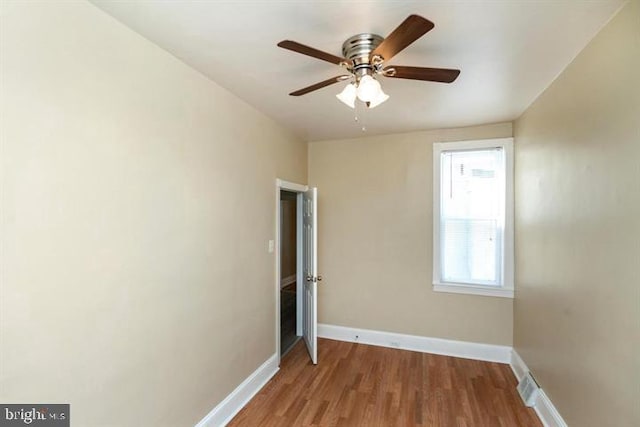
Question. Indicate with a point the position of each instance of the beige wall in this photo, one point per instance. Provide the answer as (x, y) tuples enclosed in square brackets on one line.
[(137, 201), (577, 306), (375, 240)]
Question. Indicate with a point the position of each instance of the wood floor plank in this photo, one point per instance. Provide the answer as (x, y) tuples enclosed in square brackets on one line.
[(360, 385)]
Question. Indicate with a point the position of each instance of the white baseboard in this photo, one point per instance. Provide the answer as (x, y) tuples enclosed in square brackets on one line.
[(546, 411), (287, 280), (517, 365), (467, 350), (234, 402)]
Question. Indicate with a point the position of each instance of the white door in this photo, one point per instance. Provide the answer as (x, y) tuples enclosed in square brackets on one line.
[(310, 272)]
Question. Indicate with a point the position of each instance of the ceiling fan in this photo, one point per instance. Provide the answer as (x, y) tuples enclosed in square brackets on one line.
[(364, 57)]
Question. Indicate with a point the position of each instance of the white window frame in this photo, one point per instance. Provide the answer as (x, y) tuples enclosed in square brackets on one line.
[(505, 289)]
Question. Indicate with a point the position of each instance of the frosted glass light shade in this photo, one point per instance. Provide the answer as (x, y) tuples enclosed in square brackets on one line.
[(368, 89), (378, 99), (348, 95)]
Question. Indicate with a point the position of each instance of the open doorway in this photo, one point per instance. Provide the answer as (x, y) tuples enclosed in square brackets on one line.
[(288, 240), (304, 292)]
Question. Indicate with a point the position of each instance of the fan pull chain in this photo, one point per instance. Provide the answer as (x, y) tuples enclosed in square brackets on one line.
[(360, 115)]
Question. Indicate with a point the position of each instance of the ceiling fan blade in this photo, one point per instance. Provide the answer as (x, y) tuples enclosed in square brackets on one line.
[(410, 30), (320, 85), (310, 51), (442, 75)]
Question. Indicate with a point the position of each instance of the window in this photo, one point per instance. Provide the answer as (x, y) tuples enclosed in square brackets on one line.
[(473, 217)]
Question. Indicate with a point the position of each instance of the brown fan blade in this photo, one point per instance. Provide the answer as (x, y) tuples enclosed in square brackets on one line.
[(442, 75), (320, 85), (410, 30), (309, 51)]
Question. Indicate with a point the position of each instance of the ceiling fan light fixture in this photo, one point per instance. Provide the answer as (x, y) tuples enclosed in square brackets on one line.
[(368, 89), (365, 56), (348, 95), (378, 100)]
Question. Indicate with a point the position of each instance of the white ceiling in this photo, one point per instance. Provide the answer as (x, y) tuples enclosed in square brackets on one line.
[(508, 51)]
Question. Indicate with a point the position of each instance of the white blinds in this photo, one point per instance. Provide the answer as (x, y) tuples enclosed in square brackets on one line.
[(472, 216)]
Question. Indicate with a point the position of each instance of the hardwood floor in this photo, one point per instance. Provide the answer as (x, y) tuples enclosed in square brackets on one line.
[(361, 385)]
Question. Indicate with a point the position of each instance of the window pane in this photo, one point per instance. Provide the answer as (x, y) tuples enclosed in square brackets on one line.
[(469, 251), (472, 207)]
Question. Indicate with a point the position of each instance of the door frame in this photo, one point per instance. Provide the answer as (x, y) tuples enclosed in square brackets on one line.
[(299, 189)]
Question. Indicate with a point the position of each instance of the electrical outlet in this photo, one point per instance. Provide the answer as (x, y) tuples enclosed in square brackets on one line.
[(272, 245)]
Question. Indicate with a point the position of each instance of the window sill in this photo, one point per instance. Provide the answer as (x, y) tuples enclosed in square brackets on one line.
[(473, 290)]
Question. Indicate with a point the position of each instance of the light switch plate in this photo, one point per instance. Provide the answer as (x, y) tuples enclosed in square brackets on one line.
[(272, 245)]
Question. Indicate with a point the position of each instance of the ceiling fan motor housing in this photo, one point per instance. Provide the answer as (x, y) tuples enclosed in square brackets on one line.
[(357, 49)]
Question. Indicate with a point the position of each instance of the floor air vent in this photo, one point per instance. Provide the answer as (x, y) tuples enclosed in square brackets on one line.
[(528, 389)]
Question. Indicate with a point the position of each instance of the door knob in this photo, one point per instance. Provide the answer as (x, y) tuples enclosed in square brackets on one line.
[(319, 278), (308, 278)]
